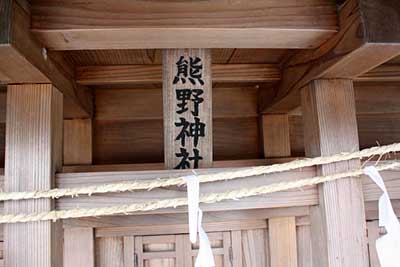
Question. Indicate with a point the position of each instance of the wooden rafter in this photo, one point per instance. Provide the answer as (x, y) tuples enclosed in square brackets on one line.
[(361, 44), (65, 25), (23, 60), (120, 74)]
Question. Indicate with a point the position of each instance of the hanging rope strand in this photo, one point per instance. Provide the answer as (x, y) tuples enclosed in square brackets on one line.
[(177, 202), (204, 178)]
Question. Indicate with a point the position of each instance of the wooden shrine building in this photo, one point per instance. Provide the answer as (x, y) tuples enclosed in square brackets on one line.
[(105, 91)]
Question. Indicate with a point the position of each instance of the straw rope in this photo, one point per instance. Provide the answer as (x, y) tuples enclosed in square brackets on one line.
[(176, 202), (204, 178)]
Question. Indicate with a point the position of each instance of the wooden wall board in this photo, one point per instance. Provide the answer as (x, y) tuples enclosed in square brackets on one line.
[(79, 248), (109, 252), (77, 142), (378, 129), (172, 25), (141, 141), (140, 104), (377, 97), (283, 241), (276, 135)]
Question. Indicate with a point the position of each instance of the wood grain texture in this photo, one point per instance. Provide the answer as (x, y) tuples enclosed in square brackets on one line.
[(254, 244), (78, 142), (109, 252), (79, 248), (307, 196), (34, 154), (22, 61), (140, 74), (129, 251), (172, 144), (338, 223), (382, 73), (343, 56), (373, 235), (229, 101), (304, 246), (154, 56), (282, 241), (276, 135), (153, 24)]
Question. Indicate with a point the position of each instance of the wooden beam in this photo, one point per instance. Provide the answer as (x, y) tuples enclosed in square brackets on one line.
[(369, 36), (35, 142), (187, 103), (153, 24), (142, 74), (383, 73), (24, 60), (330, 127)]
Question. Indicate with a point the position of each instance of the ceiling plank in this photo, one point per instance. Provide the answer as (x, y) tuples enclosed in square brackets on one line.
[(141, 74), (111, 24), (369, 36), (23, 60)]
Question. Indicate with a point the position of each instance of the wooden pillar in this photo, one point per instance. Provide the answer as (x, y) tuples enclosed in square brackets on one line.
[(187, 104), (282, 230), (33, 155), (79, 248), (338, 222)]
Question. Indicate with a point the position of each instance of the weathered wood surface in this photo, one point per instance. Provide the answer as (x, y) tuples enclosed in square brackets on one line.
[(140, 74), (197, 114), (33, 141), (77, 142), (24, 60), (79, 247), (215, 24), (338, 222), (282, 241), (154, 56), (229, 101), (276, 135), (362, 35)]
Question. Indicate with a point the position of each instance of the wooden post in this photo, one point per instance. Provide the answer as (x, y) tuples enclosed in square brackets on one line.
[(338, 222), (187, 108), (79, 249), (281, 230), (33, 155)]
